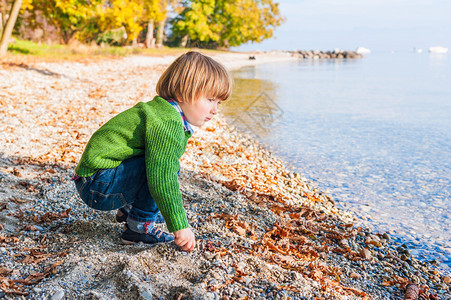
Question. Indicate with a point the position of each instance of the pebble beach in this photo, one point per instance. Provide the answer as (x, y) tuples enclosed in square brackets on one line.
[(263, 231)]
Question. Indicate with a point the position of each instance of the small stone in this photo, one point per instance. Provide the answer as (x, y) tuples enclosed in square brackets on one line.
[(266, 267), (365, 253), (446, 279), (415, 279), (38, 227), (355, 275), (375, 239), (58, 295), (241, 265), (146, 295), (211, 296), (210, 256), (216, 275), (37, 290), (212, 282), (344, 243)]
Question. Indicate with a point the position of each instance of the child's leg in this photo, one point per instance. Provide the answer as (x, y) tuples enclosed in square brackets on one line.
[(125, 185), (122, 186)]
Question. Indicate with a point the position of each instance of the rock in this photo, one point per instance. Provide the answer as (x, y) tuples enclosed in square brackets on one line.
[(210, 256), (211, 296), (355, 275), (58, 295), (247, 280), (446, 279), (212, 282), (344, 243), (412, 292), (146, 295), (93, 295), (365, 253), (216, 275), (241, 265), (415, 279)]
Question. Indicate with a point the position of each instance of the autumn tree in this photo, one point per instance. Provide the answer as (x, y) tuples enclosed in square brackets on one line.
[(153, 13), (67, 16), (226, 23), (164, 6)]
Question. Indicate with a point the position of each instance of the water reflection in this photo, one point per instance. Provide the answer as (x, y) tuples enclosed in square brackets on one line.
[(252, 107)]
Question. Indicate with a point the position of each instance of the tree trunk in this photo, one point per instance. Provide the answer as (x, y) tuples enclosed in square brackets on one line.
[(150, 41), (184, 41), (160, 34), (9, 26), (1, 24)]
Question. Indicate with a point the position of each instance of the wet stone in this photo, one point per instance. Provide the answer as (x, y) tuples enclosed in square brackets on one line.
[(58, 295)]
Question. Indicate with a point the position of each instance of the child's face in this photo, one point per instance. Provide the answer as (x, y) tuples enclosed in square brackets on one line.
[(201, 111)]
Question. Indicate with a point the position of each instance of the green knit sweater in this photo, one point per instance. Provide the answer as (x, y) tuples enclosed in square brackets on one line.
[(153, 129)]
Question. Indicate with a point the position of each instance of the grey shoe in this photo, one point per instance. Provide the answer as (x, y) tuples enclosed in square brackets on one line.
[(153, 235)]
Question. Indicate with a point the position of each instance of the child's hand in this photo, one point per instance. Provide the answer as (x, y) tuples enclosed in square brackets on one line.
[(185, 239)]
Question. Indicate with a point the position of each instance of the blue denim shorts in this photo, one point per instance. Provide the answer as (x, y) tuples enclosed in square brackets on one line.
[(110, 189), (95, 191)]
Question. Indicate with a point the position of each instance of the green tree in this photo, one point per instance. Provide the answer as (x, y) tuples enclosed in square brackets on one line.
[(226, 23), (196, 22)]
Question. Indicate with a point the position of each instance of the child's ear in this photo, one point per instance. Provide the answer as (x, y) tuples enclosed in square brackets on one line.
[(179, 99)]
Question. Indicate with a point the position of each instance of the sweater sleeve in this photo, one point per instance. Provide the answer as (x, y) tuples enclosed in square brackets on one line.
[(163, 151)]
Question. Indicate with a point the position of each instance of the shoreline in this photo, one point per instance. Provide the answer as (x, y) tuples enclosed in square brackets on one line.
[(263, 232)]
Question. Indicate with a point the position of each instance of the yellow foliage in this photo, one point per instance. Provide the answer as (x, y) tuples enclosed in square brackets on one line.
[(27, 5)]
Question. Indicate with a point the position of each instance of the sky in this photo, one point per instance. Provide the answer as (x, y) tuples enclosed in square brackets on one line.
[(379, 25)]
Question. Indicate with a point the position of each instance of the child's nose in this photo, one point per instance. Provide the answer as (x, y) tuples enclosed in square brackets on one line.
[(214, 110)]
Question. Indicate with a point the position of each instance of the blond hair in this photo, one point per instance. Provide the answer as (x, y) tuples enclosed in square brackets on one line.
[(193, 75)]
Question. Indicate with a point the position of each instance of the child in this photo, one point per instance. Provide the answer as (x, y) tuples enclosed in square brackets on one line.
[(131, 163)]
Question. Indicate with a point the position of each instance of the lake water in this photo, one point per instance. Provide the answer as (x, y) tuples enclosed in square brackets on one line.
[(374, 133)]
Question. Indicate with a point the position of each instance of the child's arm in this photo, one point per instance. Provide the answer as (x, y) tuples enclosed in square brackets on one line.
[(185, 239), (164, 148)]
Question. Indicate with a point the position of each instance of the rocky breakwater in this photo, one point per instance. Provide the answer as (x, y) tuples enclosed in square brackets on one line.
[(335, 54)]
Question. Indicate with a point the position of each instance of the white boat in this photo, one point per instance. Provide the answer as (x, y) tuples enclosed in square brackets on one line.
[(363, 50), (438, 49)]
